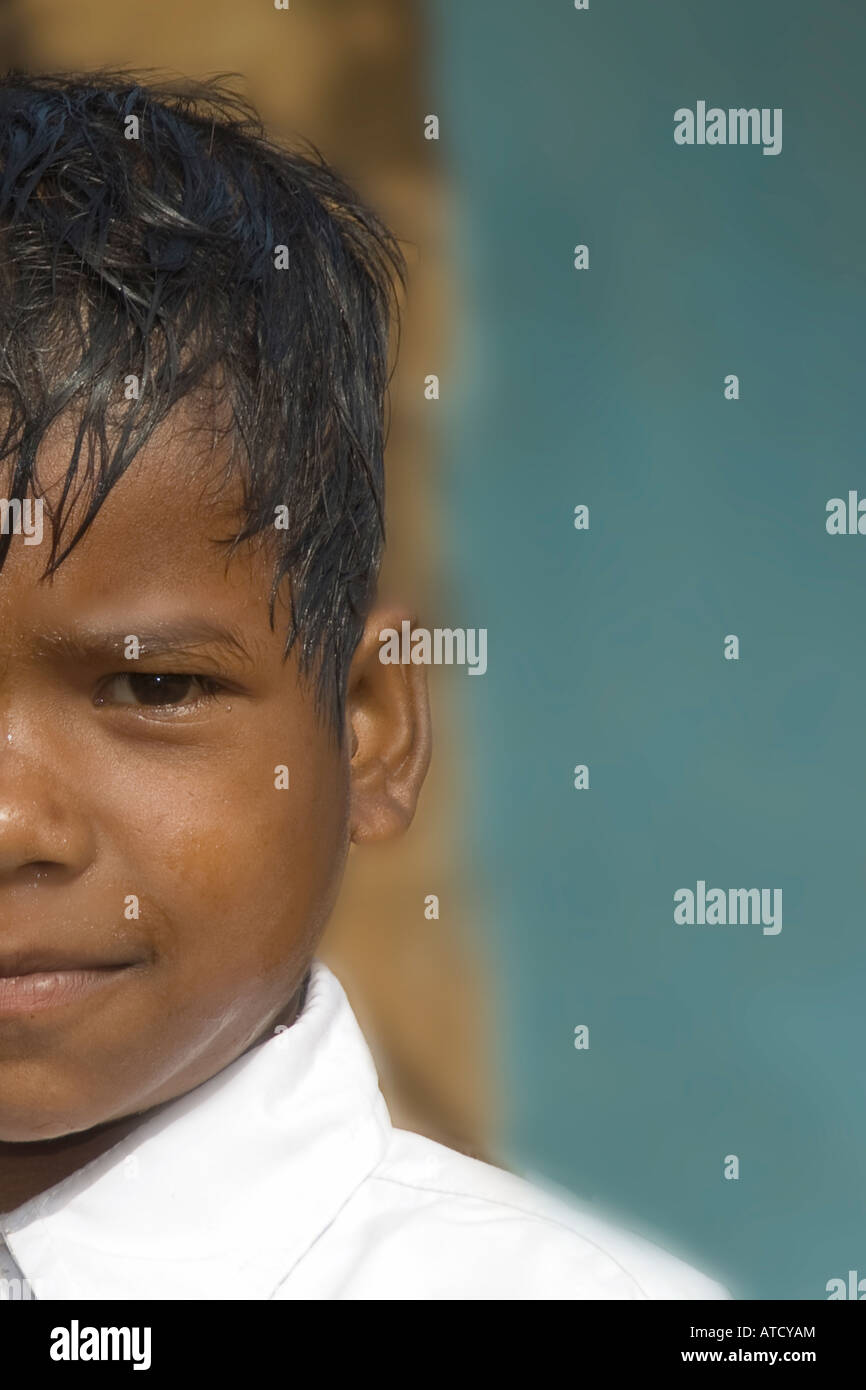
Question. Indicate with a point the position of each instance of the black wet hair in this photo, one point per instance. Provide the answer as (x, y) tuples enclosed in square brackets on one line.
[(149, 248)]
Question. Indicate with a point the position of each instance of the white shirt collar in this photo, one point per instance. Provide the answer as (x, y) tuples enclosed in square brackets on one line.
[(222, 1192)]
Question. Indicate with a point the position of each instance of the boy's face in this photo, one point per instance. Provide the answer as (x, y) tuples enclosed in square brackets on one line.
[(145, 834)]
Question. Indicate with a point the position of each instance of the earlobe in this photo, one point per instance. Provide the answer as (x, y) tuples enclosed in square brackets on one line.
[(388, 711)]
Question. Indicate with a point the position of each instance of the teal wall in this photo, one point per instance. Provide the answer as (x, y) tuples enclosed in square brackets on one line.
[(605, 647)]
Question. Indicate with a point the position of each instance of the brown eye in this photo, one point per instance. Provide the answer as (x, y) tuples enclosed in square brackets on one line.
[(160, 690), (155, 690)]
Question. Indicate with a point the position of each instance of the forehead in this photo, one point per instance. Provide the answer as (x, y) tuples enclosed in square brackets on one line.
[(159, 539)]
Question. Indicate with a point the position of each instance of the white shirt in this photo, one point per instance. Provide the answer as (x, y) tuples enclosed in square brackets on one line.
[(283, 1178)]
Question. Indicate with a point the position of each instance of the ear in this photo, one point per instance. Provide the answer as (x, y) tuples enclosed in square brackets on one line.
[(388, 728)]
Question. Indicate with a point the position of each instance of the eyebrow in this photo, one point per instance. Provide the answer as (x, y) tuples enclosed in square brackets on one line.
[(171, 637)]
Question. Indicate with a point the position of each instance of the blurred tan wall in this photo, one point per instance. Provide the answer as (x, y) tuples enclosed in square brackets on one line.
[(349, 74)]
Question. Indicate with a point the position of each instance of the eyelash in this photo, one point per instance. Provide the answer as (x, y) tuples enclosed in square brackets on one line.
[(208, 687)]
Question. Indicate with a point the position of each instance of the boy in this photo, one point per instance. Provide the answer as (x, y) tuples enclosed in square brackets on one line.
[(195, 725)]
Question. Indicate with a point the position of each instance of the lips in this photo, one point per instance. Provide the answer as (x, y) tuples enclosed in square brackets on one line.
[(47, 962), (32, 981)]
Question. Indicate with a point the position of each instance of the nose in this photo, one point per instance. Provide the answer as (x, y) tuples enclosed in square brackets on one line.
[(42, 822)]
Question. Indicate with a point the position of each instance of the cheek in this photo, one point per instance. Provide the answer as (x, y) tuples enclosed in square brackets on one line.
[(235, 870)]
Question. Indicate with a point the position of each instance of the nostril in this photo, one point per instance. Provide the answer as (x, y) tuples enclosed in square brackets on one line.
[(37, 870)]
